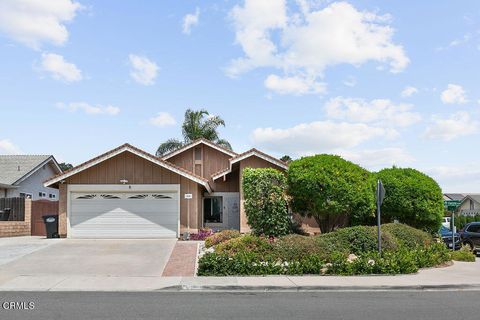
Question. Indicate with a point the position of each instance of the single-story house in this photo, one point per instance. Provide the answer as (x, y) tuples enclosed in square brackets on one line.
[(129, 193), (23, 176)]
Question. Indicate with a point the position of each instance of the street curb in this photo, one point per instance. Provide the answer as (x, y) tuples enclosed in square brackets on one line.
[(196, 288)]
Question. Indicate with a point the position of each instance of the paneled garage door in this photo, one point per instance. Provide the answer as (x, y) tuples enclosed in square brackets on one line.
[(124, 214)]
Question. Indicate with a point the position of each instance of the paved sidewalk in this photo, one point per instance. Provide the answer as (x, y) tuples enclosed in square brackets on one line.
[(462, 276), (182, 260)]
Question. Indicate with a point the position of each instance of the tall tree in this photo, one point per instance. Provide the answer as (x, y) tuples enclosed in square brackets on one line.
[(65, 166), (197, 124), (286, 158)]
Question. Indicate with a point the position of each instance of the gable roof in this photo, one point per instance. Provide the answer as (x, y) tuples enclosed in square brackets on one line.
[(16, 168), (128, 148), (196, 143), (475, 197), (248, 154), (454, 196)]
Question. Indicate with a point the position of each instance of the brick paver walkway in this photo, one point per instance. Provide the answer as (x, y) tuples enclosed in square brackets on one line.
[(182, 260)]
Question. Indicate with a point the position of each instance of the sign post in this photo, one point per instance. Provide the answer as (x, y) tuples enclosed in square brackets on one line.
[(452, 205), (380, 195)]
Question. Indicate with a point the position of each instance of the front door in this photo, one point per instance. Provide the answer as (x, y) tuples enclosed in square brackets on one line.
[(221, 210)]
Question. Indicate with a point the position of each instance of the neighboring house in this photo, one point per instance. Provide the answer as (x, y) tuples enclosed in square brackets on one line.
[(453, 196), (23, 176), (470, 205), (129, 193)]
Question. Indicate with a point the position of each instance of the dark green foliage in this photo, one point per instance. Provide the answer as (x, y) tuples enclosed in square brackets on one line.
[(407, 236), (221, 236), (332, 190), (412, 197), (65, 166), (344, 241), (264, 191), (197, 124)]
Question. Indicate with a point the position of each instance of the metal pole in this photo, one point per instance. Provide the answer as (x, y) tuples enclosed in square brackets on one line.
[(453, 230), (378, 219)]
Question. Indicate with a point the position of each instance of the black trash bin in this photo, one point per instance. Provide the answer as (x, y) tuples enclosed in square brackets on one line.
[(5, 214), (51, 225)]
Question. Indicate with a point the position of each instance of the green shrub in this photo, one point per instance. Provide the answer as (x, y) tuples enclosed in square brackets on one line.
[(432, 255), (265, 196), (464, 254), (407, 236), (245, 244), (358, 239), (412, 197), (332, 190), (402, 261), (221, 236)]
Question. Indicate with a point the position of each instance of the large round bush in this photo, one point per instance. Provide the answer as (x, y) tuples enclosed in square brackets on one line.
[(412, 197), (332, 190)]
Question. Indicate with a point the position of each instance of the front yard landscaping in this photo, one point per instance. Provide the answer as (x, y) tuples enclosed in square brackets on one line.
[(347, 251)]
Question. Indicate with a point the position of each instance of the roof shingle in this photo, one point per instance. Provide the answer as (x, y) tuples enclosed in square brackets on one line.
[(14, 167)]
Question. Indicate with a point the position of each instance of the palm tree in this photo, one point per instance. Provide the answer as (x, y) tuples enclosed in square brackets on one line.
[(197, 124)]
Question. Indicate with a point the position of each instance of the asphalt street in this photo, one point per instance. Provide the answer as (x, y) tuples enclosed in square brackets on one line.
[(415, 305)]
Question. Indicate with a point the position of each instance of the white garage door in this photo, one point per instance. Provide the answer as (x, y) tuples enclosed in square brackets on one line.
[(124, 214)]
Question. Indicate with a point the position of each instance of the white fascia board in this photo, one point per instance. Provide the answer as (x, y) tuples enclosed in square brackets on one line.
[(126, 148), (51, 158), (245, 156)]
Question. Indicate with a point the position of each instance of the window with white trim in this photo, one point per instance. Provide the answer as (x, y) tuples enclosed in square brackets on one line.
[(42, 194), (25, 195)]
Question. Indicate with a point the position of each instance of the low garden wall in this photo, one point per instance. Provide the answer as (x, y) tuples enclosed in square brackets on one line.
[(18, 228)]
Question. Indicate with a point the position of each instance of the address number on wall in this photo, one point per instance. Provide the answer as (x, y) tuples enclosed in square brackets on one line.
[(188, 196)]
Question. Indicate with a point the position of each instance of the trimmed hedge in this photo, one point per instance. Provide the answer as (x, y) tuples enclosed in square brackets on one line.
[(407, 236)]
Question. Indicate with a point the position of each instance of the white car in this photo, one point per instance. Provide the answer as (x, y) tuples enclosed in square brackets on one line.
[(446, 222)]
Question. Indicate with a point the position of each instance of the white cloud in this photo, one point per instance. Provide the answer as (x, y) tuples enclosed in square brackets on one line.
[(90, 109), (457, 125), (59, 68), (7, 147), (162, 119), (294, 85), (350, 81), (316, 137), (409, 91), (378, 158), (311, 40), (144, 71), (381, 112), (34, 22), (190, 20), (462, 178), (454, 94)]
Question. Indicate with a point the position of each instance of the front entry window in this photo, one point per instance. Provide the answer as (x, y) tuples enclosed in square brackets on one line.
[(213, 210)]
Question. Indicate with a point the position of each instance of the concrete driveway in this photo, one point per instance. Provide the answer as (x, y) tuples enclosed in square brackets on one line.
[(68, 257)]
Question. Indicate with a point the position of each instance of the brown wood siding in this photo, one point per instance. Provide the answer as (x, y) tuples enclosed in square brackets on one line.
[(183, 160), (137, 171), (214, 161), (231, 184)]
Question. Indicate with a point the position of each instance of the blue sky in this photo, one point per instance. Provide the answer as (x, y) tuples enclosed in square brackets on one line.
[(379, 82)]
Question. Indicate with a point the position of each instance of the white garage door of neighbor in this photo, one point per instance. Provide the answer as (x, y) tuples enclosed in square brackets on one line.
[(120, 215)]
